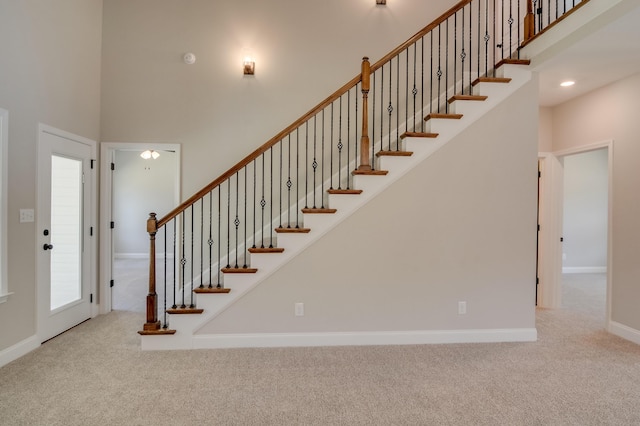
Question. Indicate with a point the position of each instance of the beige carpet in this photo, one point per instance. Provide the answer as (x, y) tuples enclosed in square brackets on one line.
[(95, 374)]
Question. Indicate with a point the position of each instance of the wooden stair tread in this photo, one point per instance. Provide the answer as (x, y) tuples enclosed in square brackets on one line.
[(293, 230), (318, 211), (266, 250), (211, 290), (394, 154), (239, 270), (162, 331), (345, 191), (418, 135), (369, 172), (183, 311), (513, 62), (467, 98), (491, 80), (444, 116)]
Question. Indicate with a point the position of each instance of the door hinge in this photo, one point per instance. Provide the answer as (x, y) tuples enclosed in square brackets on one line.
[(538, 228), (111, 283), (539, 174), (91, 298), (92, 161), (113, 225), (537, 280), (113, 166)]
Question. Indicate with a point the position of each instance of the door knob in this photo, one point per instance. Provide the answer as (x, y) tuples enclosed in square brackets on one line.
[(48, 247)]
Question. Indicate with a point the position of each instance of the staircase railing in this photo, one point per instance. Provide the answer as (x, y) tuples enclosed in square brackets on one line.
[(215, 231)]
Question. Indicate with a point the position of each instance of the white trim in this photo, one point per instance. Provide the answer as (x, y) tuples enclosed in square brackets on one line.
[(627, 333), (18, 350), (373, 338), (418, 337), (584, 269), (4, 138), (556, 217), (107, 152)]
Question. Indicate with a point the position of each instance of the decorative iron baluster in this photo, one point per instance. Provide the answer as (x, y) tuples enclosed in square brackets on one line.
[(191, 257), (219, 284), (289, 184), (322, 165), (210, 241), (271, 198), (245, 265), (297, 178), (175, 275), (201, 244), (183, 261), (263, 203), (314, 165)]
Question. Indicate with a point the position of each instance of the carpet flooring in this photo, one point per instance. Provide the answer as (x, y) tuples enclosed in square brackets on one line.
[(96, 374)]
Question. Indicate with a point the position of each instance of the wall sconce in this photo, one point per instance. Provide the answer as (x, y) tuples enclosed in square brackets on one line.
[(248, 65), (150, 154), (383, 2)]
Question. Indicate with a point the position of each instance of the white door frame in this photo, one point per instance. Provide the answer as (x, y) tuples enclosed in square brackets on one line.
[(552, 182), (107, 152), (93, 241)]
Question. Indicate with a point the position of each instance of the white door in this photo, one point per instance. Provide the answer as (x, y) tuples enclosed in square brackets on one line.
[(64, 209)]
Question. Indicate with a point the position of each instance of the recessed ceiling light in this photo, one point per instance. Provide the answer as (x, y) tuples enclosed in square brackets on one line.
[(567, 83)]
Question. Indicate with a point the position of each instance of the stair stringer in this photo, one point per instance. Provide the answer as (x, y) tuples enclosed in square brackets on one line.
[(187, 326)]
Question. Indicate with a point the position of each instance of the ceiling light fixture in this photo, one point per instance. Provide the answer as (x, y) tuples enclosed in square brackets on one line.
[(381, 2), (149, 153), (567, 83)]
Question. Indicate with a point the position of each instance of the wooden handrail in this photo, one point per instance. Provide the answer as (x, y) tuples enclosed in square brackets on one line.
[(299, 122), (395, 52)]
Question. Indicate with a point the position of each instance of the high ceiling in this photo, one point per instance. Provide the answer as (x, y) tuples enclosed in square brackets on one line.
[(602, 57)]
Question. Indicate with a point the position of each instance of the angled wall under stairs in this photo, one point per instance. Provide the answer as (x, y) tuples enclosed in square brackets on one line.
[(455, 222)]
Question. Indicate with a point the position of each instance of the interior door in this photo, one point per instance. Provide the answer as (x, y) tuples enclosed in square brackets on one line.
[(64, 208)]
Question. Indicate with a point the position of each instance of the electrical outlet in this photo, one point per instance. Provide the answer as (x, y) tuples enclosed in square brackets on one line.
[(462, 308), (299, 309), (27, 215)]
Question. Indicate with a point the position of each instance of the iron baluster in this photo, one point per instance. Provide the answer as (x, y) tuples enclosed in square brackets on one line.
[(210, 241), (263, 203), (219, 233), (245, 265), (183, 261), (271, 198)]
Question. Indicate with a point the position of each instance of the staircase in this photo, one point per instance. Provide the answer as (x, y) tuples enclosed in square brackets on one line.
[(238, 231)]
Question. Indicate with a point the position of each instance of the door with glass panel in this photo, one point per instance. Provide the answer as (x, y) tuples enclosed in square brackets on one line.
[(64, 199)]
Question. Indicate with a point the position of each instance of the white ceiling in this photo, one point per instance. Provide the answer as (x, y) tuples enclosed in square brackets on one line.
[(606, 55)]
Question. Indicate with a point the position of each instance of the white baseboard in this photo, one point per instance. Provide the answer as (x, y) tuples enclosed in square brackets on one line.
[(418, 337), (19, 349), (625, 332), (584, 269)]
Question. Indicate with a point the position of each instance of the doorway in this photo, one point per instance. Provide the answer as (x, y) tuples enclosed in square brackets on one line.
[(65, 231), (132, 187), (584, 224), (562, 245)]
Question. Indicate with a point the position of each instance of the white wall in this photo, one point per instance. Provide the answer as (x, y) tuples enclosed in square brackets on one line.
[(49, 73), (585, 211), (611, 113), (304, 52), (459, 227), (139, 188)]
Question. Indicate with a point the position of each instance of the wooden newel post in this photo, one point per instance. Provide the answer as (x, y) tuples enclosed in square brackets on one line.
[(364, 141), (152, 302), (529, 22)]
